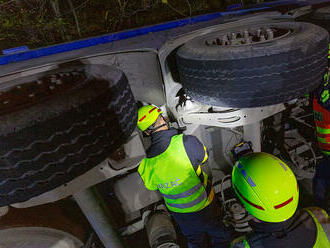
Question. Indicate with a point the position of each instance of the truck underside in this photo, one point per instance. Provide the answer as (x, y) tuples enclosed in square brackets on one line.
[(68, 120)]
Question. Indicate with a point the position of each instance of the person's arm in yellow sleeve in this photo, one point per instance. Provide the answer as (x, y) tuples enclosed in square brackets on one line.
[(198, 156)]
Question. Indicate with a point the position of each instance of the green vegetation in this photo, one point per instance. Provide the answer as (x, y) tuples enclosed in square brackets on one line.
[(37, 23)]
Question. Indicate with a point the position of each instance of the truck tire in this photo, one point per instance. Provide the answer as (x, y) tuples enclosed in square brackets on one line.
[(32, 237), (320, 17), (322, 14), (57, 125), (280, 61), (56, 225)]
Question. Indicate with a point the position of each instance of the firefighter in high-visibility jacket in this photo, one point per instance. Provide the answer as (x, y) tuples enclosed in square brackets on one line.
[(268, 189), (176, 166), (321, 109)]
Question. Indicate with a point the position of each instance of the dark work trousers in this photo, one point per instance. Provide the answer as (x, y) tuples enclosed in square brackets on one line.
[(321, 183), (195, 226)]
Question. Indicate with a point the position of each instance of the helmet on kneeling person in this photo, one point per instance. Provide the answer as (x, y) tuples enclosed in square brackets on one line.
[(266, 186)]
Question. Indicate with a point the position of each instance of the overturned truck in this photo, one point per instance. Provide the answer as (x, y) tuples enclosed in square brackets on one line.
[(68, 116)]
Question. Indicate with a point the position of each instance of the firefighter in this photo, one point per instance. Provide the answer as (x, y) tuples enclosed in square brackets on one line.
[(321, 108), (176, 166), (268, 189)]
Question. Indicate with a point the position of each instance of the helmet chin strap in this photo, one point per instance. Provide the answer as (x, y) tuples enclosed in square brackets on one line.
[(156, 128), (153, 129)]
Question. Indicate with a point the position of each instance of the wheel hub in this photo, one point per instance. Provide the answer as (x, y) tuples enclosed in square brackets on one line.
[(248, 36)]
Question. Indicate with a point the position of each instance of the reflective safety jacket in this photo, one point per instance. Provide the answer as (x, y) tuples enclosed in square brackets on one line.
[(321, 109), (320, 222), (172, 173)]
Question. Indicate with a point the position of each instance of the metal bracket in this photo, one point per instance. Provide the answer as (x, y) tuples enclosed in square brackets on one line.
[(228, 118)]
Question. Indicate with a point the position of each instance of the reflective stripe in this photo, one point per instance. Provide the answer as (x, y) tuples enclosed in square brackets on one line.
[(251, 182), (205, 179), (199, 199), (210, 197), (184, 194), (152, 110), (246, 244), (323, 140), (326, 152), (283, 166), (240, 242), (205, 157), (324, 146), (323, 130), (199, 170), (323, 135), (284, 203), (246, 200), (143, 118)]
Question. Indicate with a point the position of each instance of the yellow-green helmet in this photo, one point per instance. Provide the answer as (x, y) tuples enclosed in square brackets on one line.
[(266, 186), (147, 115)]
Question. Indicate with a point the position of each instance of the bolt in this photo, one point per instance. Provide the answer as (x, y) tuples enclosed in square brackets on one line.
[(18, 87), (39, 82), (248, 40), (31, 95), (262, 38), (258, 32), (58, 82), (246, 34), (51, 87), (270, 34), (52, 78), (224, 40), (5, 102)]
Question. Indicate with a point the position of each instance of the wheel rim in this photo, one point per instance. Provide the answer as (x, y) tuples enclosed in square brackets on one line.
[(168, 245), (248, 36), (37, 237)]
